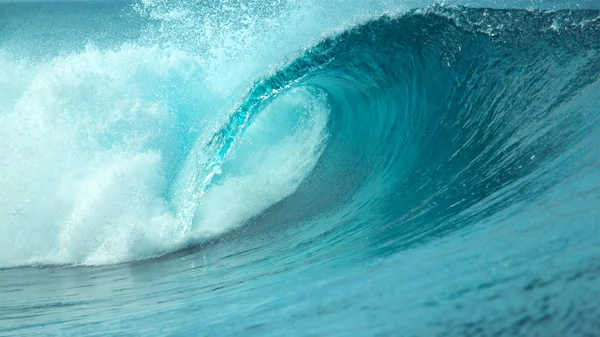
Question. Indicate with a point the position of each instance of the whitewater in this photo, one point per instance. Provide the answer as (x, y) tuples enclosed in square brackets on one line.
[(281, 167)]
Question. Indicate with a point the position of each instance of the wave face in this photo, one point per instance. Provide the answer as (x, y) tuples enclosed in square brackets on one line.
[(411, 163)]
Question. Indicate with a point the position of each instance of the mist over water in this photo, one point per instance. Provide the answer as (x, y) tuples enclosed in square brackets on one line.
[(286, 167)]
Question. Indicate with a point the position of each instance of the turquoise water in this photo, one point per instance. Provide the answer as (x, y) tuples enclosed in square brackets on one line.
[(298, 168)]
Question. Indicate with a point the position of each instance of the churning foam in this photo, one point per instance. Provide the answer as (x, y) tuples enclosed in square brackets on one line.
[(84, 148)]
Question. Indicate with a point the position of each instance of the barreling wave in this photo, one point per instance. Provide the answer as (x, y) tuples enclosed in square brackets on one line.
[(438, 119), (399, 130)]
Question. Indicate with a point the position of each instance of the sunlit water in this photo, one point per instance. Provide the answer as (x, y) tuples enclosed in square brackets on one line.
[(299, 168)]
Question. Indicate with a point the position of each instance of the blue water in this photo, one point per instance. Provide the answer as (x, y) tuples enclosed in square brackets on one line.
[(269, 168)]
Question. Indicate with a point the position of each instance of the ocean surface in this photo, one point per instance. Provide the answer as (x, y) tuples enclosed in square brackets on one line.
[(299, 168)]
